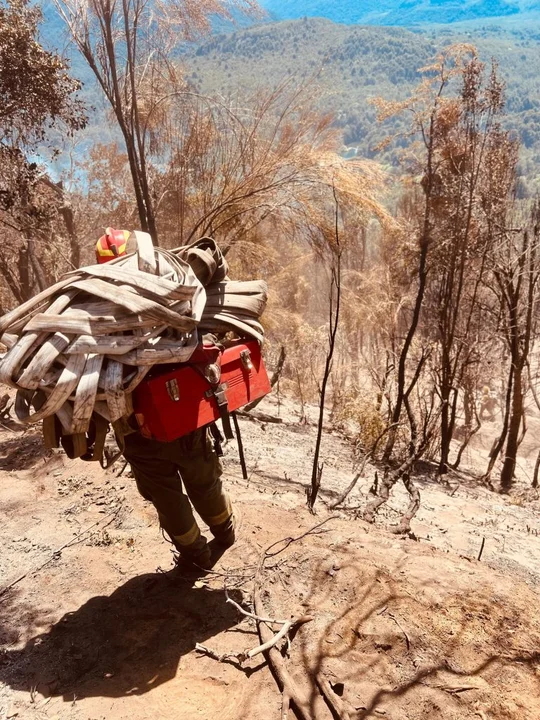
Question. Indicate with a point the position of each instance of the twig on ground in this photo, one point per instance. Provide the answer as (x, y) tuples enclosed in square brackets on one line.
[(248, 614), (253, 470), (225, 657), (289, 540), (57, 553), (481, 548), (460, 689), (285, 630), (337, 706), (407, 641), (233, 573), (451, 689)]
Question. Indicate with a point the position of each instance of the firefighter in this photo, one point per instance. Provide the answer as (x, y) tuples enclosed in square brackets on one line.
[(163, 470), (488, 403)]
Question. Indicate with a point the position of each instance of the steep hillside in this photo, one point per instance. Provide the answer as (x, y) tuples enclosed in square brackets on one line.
[(357, 64), (398, 12), (97, 624)]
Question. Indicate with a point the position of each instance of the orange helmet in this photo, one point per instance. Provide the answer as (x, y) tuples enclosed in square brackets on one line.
[(111, 245)]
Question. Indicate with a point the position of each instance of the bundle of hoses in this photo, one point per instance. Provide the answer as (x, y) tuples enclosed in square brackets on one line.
[(78, 350)]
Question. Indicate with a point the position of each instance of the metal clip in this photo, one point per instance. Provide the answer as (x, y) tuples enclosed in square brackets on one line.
[(214, 391), (245, 357), (212, 373), (172, 389)]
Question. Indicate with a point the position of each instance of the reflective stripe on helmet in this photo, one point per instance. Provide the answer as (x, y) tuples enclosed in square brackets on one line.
[(112, 244)]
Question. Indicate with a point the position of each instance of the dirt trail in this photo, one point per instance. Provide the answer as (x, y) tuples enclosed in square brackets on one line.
[(405, 629)]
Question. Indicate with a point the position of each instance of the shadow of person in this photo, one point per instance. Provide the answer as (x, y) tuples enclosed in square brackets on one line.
[(126, 643)]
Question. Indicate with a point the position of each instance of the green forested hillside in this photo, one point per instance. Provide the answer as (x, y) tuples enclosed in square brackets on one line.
[(357, 64), (398, 12), (352, 64)]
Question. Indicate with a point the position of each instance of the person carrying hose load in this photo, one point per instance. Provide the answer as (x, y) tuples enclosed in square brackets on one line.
[(163, 470)]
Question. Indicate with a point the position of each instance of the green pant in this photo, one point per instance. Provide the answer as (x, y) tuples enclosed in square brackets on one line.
[(160, 468)]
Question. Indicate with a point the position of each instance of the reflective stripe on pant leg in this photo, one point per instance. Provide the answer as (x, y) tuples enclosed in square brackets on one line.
[(223, 516), (188, 538)]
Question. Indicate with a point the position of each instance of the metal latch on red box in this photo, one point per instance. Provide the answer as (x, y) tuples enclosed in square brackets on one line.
[(245, 357), (220, 394)]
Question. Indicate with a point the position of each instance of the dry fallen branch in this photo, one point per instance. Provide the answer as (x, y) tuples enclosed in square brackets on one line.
[(270, 639), (391, 478), (407, 641), (337, 705), (260, 417), (367, 457), (224, 657), (248, 614), (273, 640), (452, 689), (291, 691)]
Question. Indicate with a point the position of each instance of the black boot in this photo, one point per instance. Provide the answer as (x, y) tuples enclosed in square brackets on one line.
[(225, 533), (198, 554)]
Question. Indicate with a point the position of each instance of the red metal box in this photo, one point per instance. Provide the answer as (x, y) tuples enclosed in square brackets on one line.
[(176, 402)]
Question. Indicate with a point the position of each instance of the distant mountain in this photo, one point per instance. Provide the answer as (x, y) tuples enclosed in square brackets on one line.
[(354, 64), (398, 12)]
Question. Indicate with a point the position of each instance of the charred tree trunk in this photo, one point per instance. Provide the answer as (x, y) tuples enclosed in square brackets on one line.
[(24, 274), (446, 430), (12, 279), (514, 424), (520, 292), (402, 365), (66, 211), (37, 268), (333, 324), (499, 442), (469, 404), (512, 440), (536, 471)]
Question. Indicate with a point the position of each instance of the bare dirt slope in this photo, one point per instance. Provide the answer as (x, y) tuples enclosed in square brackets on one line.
[(403, 628)]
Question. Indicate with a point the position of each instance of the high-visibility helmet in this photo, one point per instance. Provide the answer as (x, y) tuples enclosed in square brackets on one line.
[(111, 245)]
